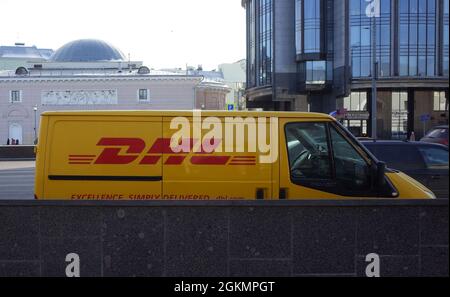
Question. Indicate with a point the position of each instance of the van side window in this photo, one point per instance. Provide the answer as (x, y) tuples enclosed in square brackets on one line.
[(352, 171), (309, 154), (322, 158)]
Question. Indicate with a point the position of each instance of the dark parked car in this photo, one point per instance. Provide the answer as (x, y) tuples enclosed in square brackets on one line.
[(425, 162), (438, 134)]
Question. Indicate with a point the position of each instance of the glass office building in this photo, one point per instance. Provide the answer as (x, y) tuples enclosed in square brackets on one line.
[(320, 52), (260, 41)]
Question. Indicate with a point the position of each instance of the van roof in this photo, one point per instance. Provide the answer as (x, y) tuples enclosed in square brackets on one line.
[(187, 113)]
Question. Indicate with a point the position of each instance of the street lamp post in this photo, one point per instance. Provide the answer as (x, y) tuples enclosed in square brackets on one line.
[(35, 123), (373, 12), (374, 78)]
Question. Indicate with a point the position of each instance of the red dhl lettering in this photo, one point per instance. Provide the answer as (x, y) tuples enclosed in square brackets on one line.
[(134, 148)]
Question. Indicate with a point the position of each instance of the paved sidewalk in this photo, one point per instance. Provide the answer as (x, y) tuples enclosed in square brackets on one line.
[(7, 165), (17, 180)]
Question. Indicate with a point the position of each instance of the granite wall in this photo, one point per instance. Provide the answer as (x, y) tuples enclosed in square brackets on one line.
[(224, 238)]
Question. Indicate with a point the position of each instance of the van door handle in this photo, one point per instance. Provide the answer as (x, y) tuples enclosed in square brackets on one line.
[(435, 177), (259, 194), (283, 193)]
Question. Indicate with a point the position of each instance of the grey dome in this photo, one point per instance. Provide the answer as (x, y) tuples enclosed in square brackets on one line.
[(87, 50)]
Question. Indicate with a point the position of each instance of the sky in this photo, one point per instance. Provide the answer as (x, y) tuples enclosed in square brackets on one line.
[(161, 33)]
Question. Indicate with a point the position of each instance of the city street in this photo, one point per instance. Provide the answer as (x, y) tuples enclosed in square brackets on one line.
[(226, 145), (17, 180)]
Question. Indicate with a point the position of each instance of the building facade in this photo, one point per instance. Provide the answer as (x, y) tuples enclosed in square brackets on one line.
[(212, 92), (22, 100), (316, 55), (86, 75), (211, 95), (234, 75)]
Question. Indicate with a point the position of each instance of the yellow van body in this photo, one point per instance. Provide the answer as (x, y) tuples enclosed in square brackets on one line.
[(128, 155)]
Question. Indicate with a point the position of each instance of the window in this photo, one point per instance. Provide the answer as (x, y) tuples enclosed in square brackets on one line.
[(440, 102), (264, 44), (445, 35), (143, 95), (357, 127), (259, 42), (417, 29), (321, 157), (434, 157), (352, 171), (403, 66), (308, 26), (356, 66), (315, 72), (312, 26), (357, 101), (355, 7), (399, 115), (308, 151), (361, 40), (299, 26), (251, 39), (15, 96)]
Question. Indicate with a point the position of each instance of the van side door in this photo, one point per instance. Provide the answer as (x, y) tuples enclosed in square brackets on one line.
[(208, 168)]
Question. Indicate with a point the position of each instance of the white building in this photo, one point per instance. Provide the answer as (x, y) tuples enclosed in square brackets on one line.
[(85, 75), (12, 57), (212, 92), (234, 76)]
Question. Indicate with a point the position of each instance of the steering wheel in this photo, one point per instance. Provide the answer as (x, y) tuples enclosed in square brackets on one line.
[(300, 158)]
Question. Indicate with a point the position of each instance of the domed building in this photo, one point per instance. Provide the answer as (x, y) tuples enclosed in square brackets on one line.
[(87, 50), (90, 74), (87, 56)]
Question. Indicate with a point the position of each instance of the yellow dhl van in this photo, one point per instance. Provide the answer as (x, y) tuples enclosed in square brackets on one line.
[(209, 155)]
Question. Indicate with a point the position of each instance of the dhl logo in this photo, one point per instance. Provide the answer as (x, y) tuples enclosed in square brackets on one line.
[(135, 147)]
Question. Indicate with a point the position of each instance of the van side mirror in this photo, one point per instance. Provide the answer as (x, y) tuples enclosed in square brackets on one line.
[(380, 174), (378, 171)]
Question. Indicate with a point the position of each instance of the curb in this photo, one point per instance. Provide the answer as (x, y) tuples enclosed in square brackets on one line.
[(17, 159)]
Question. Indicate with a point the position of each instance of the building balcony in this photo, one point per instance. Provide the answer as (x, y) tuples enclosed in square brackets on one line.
[(402, 82)]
